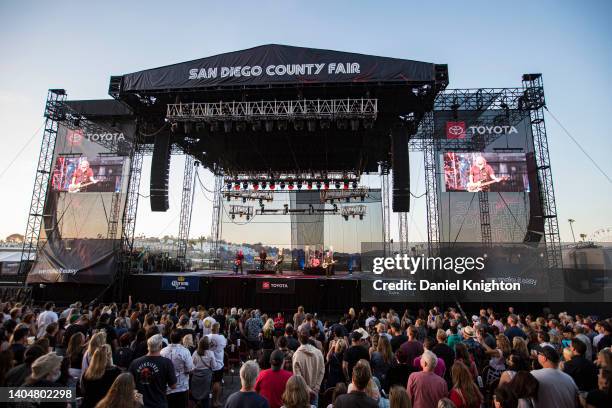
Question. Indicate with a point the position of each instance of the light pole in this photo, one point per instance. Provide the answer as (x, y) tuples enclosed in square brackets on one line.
[(572, 221)]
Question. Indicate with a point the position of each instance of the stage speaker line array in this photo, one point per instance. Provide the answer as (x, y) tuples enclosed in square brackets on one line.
[(401, 169), (160, 172)]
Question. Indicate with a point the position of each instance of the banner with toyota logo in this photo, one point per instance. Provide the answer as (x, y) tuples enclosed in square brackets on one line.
[(276, 286)]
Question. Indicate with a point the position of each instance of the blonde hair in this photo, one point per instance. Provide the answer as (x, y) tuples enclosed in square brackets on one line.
[(519, 344), (96, 341), (101, 359), (340, 345), (269, 326), (296, 393)]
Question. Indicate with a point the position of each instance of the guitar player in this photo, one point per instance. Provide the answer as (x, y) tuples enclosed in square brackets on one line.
[(82, 175), (481, 173)]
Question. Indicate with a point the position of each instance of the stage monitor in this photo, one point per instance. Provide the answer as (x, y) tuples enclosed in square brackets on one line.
[(487, 172), (81, 174)]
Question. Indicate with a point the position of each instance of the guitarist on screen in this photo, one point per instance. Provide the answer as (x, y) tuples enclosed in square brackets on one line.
[(481, 176), (82, 177)]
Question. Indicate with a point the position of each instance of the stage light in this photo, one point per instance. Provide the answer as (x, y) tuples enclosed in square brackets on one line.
[(337, 185), (264, 184), (282, 125), (269, 126), (318, 185), (76, 122), (256, 126), (240, 126), (342, 124), (227, 126), (291, 185), (229, 186), (354, 125), (174, 127), (354, 184), (309, 185), (368, 123), (272, 186), (311, 124), (237, 186), (325, 124), (187, 127), (215, 127), (245, 185), (255, 186), (233, 216), (326, 185), (282, 185), (361, 217), (346, 185), (298, 125), (299, 185)]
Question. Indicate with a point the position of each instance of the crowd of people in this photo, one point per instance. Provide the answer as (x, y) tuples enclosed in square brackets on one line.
[(134, 354)]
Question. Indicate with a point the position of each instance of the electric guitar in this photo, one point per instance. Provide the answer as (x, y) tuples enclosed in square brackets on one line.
[(479, 185), (75, 188), (328, 263)]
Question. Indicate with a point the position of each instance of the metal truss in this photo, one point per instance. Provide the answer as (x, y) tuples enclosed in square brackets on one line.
[(186, 206), (215, 226), (303, 176), (386, 209), (485, 218), (431, 187), (54, 113), (535, 102), (362, 108), (245, 196), (128, 223), (347, 195), (402, 218), (113, 220), (480, 99)]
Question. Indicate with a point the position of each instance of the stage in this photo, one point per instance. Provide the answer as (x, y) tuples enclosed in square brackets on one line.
[(215, 288)]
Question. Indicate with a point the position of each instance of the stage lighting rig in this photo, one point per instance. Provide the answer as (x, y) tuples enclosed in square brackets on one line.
[(241, 211), (353, 211)]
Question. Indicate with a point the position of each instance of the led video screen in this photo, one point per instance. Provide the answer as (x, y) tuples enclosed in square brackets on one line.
[(487, 172), (83, 175)]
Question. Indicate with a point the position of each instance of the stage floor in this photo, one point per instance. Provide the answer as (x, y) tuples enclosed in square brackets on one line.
[(267, 274)]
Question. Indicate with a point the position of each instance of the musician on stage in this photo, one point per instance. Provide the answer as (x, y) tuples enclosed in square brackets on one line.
[(328, 262), (481, 172), (262, 258), (82, 175), (278, 264), (238, 260)]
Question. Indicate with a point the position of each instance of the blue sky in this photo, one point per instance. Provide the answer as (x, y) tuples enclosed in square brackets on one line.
[(77, 46)]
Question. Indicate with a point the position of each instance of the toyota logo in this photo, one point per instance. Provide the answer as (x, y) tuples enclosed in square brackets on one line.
[(456, 130)]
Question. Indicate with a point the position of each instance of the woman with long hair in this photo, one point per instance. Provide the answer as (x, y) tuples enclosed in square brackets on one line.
[(514, 363), (122, 394), (96, 341), (334, 359), (520, 346), (604, 359), (525, 387), (465, 393), (267, 335), (74, 352), (462, 355), (398, 397), (296, 393), (201, 379), (382, 360), (99, 376)]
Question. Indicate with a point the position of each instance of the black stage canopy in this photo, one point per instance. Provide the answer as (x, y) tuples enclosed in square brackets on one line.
[(275, 64)]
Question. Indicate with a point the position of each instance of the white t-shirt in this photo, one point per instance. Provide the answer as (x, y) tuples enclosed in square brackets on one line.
[(206, 324), (556, 390), (217, 346), (183, 365), (44, 319)]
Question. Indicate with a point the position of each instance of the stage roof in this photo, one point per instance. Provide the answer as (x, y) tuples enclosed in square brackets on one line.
[(273, 64)]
